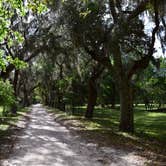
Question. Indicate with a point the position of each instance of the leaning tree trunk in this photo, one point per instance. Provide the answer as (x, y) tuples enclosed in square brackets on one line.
[(126, 108), (91, 98)]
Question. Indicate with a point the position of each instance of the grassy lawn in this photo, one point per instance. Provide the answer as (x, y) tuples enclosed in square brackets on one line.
[(148, 140), (6, 122), (8, 128), (148, 125), (151, 124)]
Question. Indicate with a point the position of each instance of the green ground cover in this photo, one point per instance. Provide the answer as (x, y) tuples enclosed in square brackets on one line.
[(149, 125), (7, 121)]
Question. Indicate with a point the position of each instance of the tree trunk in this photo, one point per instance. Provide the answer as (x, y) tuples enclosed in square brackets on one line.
[(97, 71), (125, 91), (113, 96), (60, 104), (15, 82), (126, 108), (26, 101), (91, 98)]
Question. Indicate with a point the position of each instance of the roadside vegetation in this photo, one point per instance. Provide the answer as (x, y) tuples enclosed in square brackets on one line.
[(6, 122)]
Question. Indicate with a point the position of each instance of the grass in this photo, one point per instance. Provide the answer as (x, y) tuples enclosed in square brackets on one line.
[(149, 126), (8, 129), (148, 140), (7, 121)]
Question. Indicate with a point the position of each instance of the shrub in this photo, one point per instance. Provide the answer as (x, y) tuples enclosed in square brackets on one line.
[(7, 98)]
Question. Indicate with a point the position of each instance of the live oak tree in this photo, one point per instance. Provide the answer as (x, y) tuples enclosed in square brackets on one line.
[(62, 80), (95, 74), (14, 16), (113, 33)]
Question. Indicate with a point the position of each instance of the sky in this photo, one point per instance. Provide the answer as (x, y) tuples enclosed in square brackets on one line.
[(148, 30), (159, 52)]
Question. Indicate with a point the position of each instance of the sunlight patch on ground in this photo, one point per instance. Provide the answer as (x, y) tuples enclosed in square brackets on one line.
[(3, 127), (45, 142)]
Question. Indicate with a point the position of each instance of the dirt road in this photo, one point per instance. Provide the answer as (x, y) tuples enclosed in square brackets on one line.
[(46, 143)]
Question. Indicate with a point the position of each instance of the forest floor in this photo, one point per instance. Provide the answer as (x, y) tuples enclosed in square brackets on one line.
[(46, 142)]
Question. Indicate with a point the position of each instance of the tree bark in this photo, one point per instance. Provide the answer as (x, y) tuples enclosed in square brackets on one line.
[(97, 71), (126, 108), (15, 83), (125, 92), (113, 99), (26, 101), (91, 98)]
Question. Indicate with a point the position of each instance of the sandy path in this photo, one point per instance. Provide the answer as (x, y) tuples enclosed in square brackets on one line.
[(46, 143)]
